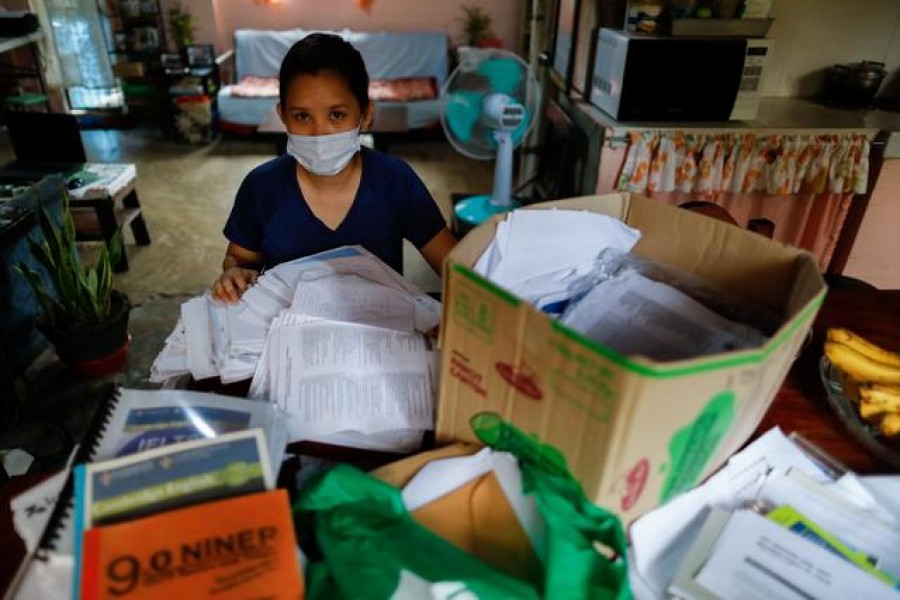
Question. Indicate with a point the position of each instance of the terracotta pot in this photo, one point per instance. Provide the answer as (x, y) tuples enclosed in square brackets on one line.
[(98, 349)]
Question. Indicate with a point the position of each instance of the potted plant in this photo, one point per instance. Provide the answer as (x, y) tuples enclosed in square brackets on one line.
[(81, 315), (477, 28), (181, 24)]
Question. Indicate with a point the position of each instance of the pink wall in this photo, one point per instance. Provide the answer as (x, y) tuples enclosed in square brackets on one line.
[(217, 19), (877, 247)]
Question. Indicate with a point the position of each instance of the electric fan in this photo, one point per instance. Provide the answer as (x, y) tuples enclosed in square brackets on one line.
[(488, 106)]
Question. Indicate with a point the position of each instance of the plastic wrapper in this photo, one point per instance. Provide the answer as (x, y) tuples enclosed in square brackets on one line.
[(142, 419), (611, 263)]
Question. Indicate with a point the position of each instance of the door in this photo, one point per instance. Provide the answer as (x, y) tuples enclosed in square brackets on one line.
[(82, 54)]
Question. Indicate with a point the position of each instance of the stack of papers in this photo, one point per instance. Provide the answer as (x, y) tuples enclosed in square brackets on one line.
[(348, 384), (560, 261), (771, 524), (336, 340), (538, 254), (212, 339), (636, 316)]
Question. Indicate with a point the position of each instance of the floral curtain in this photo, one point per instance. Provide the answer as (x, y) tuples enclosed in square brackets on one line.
[(772, 164), (802, 184)]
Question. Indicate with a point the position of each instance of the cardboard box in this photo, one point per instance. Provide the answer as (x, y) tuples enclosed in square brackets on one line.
[(634, 431)]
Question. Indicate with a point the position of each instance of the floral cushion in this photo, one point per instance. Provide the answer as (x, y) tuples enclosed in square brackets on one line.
[(252, 86), (403, 90), (390, 90)]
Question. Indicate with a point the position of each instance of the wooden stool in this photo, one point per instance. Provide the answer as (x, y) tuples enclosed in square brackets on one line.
[(105, 205)]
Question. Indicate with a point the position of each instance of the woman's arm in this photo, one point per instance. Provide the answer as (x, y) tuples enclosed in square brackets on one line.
[(240, 268), (436, 249)]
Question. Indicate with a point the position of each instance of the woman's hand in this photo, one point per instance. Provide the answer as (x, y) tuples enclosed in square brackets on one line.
[(232, 283)]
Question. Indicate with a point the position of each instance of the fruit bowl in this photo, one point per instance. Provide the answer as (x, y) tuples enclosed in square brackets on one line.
[(867, 435)]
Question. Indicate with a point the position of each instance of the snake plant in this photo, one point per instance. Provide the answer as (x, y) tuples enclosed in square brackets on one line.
[(82, 295)]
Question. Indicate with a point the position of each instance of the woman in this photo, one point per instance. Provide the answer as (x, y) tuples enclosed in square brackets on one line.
[(327, 191)]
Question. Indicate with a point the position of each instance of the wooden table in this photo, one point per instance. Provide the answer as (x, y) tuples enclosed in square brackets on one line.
[(802, 406)]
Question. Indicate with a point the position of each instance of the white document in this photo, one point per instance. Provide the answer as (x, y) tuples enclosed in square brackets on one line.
[(661, 537), (639, 317), (47, 577), (550, 292), (851, 488), (354, 299), (195, 317), (755, 558), (543, 241), (172, 360), (886, 490), (31, 509), (836, 515), (334, 377), (389, 440), (226, 340)]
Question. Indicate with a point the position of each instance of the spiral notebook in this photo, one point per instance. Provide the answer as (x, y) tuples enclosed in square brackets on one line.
[(128, 421), (59, 534)]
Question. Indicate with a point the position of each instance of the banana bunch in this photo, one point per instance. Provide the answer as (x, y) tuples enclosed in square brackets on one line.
[(870, 376)]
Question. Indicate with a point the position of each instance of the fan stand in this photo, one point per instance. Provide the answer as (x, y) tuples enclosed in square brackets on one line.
[(475, 210)]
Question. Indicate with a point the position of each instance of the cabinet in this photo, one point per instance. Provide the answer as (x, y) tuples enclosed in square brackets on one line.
[(16, 72), (137, 39), (192, 100)]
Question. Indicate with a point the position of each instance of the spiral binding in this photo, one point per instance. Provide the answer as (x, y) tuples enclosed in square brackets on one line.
[(61, 517)]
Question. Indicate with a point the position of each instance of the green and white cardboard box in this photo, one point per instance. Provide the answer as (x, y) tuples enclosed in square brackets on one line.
[(634, 431)]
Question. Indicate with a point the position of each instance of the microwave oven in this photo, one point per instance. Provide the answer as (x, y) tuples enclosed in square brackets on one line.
[(649, 78)]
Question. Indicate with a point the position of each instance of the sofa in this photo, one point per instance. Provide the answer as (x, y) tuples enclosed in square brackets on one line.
[(407, 71)]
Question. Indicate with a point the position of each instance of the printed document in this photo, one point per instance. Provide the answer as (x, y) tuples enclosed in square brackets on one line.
[(639, 317), (331, 376), (755, 558)]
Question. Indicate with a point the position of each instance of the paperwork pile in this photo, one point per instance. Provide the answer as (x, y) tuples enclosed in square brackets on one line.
[(214, 339), (335, 339), (773, 523), (538, 255), (348, 384), (568, 264)]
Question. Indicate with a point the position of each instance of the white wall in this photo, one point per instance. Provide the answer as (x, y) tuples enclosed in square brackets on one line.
[(812, 35)]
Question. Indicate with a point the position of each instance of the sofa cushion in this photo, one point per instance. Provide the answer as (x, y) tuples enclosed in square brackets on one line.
[(252, 86), (406, 89)]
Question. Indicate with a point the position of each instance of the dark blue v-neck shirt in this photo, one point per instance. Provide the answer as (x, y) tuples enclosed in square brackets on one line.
[(271, 216)]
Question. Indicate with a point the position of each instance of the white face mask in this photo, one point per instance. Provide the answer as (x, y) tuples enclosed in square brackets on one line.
[(324, 154)]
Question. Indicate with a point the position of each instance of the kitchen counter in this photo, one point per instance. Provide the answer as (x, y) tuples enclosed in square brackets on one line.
[(784, 115)]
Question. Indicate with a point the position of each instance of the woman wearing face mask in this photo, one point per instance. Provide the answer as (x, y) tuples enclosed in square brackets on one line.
[(327, 191)]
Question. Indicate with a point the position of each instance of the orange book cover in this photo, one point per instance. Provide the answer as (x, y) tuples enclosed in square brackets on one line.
[(238, 548)]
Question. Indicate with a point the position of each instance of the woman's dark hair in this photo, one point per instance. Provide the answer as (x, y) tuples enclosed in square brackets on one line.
[(325, 52)]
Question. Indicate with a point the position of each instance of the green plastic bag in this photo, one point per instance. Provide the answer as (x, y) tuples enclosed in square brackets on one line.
[(368, 540)]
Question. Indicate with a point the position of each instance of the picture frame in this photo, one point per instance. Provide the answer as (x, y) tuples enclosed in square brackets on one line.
[(171, 61), (565, 41), (200, 55)]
